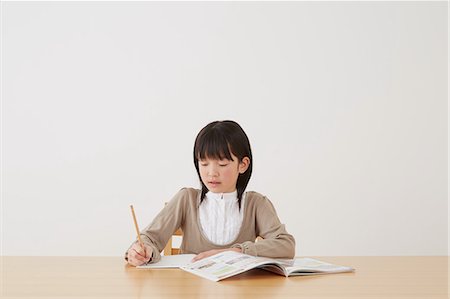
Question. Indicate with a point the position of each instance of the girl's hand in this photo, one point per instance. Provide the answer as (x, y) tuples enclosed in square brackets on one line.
[(213, 252), (137, 255)]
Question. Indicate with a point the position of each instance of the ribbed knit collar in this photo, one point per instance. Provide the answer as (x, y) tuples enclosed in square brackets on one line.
[(226, 196)]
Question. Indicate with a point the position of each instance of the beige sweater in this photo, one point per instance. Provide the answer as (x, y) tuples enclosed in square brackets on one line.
[(260, 219)]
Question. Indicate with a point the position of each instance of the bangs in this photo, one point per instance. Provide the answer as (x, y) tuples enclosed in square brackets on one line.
[(213, 146)]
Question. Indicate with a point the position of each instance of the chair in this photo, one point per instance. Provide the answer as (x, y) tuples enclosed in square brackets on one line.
[(169, 249)]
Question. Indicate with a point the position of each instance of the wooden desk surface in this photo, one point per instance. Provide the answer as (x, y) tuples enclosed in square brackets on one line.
[(103, 277)]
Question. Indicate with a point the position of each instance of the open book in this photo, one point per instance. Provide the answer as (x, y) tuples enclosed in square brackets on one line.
[(230, 263)]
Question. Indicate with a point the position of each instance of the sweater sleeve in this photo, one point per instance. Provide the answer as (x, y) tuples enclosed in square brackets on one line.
[(276, 242), (158, 232)]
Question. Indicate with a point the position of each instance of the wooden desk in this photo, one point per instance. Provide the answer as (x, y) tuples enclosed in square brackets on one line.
[(109, 277)]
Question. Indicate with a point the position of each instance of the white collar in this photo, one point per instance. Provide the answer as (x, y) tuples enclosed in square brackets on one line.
[(226, 196)]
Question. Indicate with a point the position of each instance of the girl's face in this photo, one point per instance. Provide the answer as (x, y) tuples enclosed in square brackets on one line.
[(220, 176)]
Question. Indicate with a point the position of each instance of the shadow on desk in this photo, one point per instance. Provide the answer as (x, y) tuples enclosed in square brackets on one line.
[(175, 282)]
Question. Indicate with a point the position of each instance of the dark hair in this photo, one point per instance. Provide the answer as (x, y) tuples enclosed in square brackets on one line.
[(215, 141)]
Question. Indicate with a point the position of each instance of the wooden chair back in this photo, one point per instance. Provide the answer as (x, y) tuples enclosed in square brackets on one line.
[(169, 249)]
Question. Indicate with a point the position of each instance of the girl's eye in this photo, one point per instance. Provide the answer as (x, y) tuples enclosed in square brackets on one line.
[(203, 164), (223, 164)]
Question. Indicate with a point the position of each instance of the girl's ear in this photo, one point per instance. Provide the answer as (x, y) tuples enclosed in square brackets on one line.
[(244, 164)]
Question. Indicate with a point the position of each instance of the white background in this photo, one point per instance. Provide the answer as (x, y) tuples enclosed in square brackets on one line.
[(345, 104)]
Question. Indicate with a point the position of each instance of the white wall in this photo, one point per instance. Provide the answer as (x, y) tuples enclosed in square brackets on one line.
[(345, 104)]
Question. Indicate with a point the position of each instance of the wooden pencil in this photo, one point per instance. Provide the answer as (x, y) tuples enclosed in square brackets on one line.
[(137, 227)]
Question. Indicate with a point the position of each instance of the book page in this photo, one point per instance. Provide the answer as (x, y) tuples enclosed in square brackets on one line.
[(170, 261), (308, 266), (225, 264)]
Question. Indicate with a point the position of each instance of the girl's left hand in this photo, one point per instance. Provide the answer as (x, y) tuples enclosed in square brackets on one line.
[(212, 252)]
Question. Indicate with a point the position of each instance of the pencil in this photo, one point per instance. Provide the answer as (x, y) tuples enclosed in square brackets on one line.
[(137, 227)]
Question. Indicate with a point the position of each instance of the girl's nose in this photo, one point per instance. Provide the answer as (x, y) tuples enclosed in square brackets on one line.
[(212, 171)]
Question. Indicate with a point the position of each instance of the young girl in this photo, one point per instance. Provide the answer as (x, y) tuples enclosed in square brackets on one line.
[(220, 216)]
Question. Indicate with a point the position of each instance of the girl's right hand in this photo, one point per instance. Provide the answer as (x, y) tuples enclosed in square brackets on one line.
[(137, 255)]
